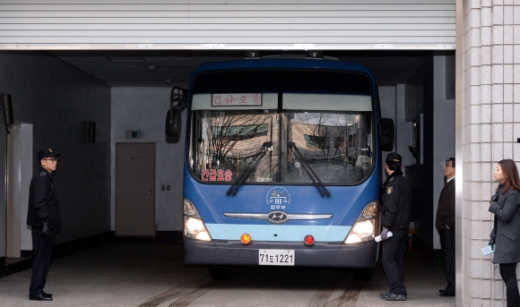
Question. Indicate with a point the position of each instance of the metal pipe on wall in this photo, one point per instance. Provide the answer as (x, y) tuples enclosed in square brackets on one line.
[(7, 111)]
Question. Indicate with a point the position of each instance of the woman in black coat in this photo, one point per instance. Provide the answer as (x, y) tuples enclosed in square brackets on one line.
[(505, 236)]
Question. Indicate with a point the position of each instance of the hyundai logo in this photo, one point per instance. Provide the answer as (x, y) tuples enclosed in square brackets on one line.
[(277, 217)]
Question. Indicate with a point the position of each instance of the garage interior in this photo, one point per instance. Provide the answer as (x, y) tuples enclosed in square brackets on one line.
[(57, 95)]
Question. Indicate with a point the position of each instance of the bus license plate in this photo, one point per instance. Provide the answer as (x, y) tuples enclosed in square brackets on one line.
[(276, 257)]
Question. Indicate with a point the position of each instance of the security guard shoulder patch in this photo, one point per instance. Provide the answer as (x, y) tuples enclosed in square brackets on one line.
[(389, 190)]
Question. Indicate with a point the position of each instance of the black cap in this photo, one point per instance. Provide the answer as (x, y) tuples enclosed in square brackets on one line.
[(44, 153), (394, 157)]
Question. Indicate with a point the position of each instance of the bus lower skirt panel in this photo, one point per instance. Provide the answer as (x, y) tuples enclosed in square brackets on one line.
[(361, 255)]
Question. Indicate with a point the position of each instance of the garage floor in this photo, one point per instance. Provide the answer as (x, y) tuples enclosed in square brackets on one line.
[(150, 274)]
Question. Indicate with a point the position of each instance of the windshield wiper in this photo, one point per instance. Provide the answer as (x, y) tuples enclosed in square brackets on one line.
[(250, 167), (306, 167)]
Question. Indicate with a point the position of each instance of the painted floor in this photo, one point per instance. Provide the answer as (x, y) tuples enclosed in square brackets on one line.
[(151, 274)]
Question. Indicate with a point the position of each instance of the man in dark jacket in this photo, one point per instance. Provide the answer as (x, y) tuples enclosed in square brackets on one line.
[(397, 208), (445, 223), (44, 218)]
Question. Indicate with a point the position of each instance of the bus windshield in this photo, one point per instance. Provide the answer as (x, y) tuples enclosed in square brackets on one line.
[(288, 127)]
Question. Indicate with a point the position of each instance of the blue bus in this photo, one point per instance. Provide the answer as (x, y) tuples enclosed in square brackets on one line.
[(283, 164)]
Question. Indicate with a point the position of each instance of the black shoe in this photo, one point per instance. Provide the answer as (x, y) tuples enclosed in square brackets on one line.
[(446, 289), (39, 297), (447, 293), (46, 294), (384, 295), (395, 297)]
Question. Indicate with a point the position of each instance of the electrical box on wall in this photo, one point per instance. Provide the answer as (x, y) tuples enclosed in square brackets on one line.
[(134, 134)]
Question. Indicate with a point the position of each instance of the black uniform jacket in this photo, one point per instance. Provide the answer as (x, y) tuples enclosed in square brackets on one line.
[(507, 221), (446, 209), (397, 202), (44, 206)]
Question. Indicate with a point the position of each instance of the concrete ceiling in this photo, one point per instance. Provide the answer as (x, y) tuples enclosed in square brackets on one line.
[(168, 68)]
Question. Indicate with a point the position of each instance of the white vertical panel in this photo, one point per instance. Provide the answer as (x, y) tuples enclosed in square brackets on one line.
[(20, 174), (25, 173), (227, 24)]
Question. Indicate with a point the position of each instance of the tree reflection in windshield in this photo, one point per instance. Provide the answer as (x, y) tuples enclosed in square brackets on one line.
[(335, 145), (229, 141)]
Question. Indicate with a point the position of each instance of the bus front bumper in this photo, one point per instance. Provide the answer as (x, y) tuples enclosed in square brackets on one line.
[(337, 254)]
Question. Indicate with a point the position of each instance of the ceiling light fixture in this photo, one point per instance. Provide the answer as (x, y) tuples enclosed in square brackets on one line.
[(152, 67), (168, 81)]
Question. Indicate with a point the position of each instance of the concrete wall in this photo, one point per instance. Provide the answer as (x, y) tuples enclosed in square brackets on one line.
[(144, 109), (424, 100), (487, 127), (427, 103), (58, 100), (414, 101), (444, 127)]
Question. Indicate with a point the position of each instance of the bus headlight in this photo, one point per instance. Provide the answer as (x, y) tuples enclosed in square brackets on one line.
[(361, 232), (364, 228), (194, 227)]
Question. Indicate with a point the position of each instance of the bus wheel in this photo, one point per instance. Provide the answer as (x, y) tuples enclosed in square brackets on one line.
[(219, 271), (363, 274)]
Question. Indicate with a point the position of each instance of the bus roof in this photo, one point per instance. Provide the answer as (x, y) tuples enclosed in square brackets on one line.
[(284, 63)]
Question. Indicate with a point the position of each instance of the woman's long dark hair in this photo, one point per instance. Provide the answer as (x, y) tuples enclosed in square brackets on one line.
[(510, 171)]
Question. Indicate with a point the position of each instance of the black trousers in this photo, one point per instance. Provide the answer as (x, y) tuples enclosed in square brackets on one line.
[(447, 237), (42, 252), (508, 273), (393, 261)]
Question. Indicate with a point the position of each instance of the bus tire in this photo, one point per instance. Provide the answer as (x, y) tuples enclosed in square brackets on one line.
[(219, 271), (363, 274)]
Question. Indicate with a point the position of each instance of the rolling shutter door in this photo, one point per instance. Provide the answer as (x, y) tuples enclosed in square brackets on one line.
[(227, 24)]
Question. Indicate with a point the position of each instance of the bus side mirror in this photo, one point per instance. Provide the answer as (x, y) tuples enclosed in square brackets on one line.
[(173, 117), (386, 126)]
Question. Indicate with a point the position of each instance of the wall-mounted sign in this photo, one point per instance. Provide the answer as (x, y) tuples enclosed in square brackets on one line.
[(133, 134)]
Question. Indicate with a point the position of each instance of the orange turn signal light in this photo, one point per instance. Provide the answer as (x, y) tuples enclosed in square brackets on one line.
[(245, 239), (308, 240)]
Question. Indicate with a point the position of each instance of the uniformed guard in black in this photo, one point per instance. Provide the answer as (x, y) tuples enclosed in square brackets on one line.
[(396, 211), (44, 218)]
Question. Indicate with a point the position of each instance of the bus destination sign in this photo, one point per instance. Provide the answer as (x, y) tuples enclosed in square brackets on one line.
[(233, 100)]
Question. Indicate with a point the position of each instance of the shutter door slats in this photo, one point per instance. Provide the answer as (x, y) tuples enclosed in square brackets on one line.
[(245, 27), (227, 24)]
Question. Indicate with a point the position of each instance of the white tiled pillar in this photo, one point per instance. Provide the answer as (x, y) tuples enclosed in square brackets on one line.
[(490, 128)]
